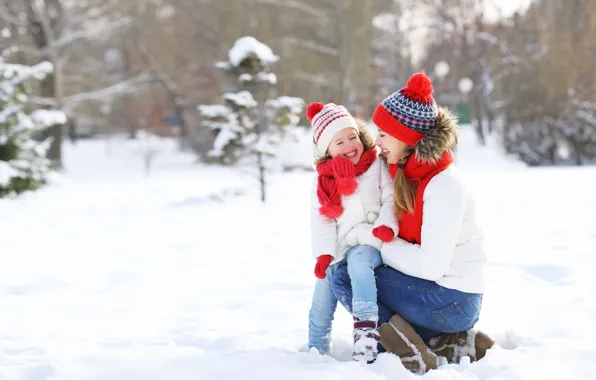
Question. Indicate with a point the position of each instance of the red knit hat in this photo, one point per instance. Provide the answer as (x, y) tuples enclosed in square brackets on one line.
[(409, 113)]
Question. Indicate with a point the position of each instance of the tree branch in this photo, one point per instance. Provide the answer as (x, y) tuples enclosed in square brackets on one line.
[(298, 5), (312, 46), (68, 102)]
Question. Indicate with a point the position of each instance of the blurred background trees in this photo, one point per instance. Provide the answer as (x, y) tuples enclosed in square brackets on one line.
[(523, 79)]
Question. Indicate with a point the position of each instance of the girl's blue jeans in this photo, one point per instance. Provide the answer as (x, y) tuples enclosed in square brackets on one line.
[(357, 270)]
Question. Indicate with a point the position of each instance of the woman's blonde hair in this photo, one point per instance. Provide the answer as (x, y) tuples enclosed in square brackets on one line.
[(365, 138), (404, 191)]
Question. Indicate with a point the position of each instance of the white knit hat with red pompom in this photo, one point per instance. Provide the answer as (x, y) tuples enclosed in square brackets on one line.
[(327, 120)]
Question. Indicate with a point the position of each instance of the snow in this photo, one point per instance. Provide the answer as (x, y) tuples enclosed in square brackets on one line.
[(224, 137), (241, 99), (47, 118), (37, 71), (248, 46), (6, 173), (265, 147), (111, 275), (296, 105), (13, 75), (9, 112), (215, 111), (267, 77), (165, 12), (222, 65), (245, 77)]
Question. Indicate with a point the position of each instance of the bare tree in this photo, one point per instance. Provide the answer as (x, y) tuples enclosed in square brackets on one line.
[(66, 33)]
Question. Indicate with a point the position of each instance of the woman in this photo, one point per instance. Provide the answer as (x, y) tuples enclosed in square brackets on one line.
[(430, 287)]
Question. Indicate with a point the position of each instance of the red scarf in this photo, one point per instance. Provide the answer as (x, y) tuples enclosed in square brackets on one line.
[(338, 177), (410, 224)]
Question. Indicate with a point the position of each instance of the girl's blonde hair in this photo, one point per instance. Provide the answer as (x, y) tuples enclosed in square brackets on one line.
[(404, 192), (365, 138)]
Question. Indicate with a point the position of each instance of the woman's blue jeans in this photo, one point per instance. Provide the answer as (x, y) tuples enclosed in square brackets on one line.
[(430, 308)]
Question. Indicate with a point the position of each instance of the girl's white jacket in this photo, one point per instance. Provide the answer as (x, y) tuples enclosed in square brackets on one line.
[(370, 206)]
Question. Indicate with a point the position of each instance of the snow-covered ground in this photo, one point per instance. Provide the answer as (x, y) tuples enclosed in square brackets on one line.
[(109, 274)]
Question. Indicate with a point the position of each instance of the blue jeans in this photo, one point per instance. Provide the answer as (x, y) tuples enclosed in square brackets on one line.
[(430, 308), (358, 265)]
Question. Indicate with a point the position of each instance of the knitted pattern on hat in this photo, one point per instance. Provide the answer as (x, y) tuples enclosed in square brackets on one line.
[(412, 107)]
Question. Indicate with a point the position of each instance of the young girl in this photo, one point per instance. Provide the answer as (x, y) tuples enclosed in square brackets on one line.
[(352, 214)]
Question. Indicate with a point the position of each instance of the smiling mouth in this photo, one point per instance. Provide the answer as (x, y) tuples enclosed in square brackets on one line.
[(351, 154), (385, 151)]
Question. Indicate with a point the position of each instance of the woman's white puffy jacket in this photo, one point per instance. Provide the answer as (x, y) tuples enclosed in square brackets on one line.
[(370, 206), (452, 251)]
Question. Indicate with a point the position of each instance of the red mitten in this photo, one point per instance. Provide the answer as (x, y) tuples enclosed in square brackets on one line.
[(322, 264), (384, 233)]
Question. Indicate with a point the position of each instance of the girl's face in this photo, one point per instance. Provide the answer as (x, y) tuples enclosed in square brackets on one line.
[(392, 148), (346, 143)]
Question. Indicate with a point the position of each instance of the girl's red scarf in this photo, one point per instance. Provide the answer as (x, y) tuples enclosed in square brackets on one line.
[(337, 177), (410, 224)]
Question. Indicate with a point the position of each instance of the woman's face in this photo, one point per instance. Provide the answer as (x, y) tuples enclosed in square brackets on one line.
[(346, 143), (392, 148)]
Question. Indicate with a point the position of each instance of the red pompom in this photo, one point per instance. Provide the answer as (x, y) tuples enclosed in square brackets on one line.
[(346, 186), (313, 109), (419, 88)]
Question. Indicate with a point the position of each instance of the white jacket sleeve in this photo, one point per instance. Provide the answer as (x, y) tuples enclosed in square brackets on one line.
[(323, 229), (442, 213), (387, 213), (361, 234)]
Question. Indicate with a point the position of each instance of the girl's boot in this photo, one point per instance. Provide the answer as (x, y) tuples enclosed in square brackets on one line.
[(366, 339)]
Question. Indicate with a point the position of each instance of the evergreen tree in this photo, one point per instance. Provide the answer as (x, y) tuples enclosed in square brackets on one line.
[(23, 162), (250, 121)]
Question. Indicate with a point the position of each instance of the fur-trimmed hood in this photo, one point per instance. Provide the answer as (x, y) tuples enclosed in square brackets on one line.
[(438, 140)]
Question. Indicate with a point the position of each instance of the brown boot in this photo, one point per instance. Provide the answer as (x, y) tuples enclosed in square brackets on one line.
[(455, 346), (399, 338)]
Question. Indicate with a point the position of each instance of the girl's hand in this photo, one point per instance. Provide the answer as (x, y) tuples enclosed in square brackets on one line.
[(383, 233), (322, 264)]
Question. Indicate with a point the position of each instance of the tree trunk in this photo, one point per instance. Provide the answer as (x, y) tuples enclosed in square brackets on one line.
[(179, 109), (479, 125), (132, 129), (54, 132), (343, 46), (490, 115), (42, 32)]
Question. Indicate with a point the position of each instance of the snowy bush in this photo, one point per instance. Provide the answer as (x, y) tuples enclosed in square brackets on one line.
[(23, 163), (249, 122), (555, 135), (547, 91)]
